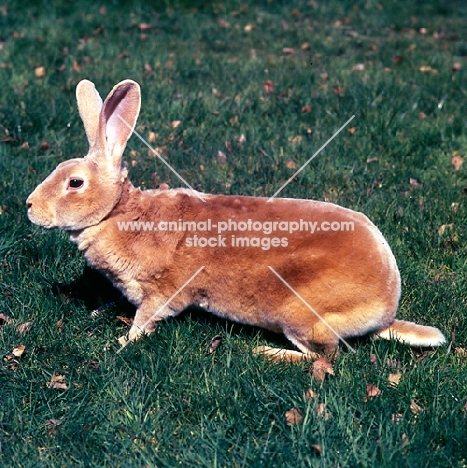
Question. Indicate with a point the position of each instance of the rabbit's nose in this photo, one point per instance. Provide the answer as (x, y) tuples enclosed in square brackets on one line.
[(28, 204)]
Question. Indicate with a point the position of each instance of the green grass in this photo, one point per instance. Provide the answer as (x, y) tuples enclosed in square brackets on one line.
[(165, 401)]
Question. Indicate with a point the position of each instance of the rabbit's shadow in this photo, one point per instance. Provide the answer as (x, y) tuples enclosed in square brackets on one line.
[(96, 292), (93, 290)]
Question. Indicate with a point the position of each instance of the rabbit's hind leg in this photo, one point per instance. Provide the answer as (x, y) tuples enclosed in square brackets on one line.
[(285, 355)]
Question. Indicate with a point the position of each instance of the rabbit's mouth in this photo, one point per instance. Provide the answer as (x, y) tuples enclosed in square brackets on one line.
[(39, 222), (38, 216)]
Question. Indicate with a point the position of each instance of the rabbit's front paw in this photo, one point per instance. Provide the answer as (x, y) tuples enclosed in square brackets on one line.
[(135, 333)]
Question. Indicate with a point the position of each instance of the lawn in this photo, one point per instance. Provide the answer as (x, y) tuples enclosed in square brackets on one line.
[(236, 96)]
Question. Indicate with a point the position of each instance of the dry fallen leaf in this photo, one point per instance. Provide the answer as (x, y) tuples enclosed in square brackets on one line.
[(394, 379), (305, 46), (125, 320), (221, 157), (396, 418), (233, 121), (310, 394), (158, 151), (248, 27), (223, 23), (374, 360), (290, 165), (414, 183), (215, 343), (421, 356), (428, 69), (52, 424), (241, 140), (23, 328), (352, 130), (321, 367), (460, 352), (4, 319), (415, 408), (317, 449), (39, 72), (60, 326), (293, 417), (393, 363), (456, 66), (170, 138), (268, 86), (155, 178), (18, 350), (457, 162), (57, 382), (296, 139), (44, 146), (11, 361), (175, 124), (322, 412), (77, 67), (152, 137), (305, 109), (359, 67), (405, 439), (455, 207), (288, 51), (371, 391), (442, 228), (338, 90), (144, 26)]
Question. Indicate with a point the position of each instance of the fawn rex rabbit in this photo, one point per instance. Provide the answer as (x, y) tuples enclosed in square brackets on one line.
[(258, 260)]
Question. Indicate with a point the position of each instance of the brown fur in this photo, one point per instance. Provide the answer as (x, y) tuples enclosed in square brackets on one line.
[(350, 278)]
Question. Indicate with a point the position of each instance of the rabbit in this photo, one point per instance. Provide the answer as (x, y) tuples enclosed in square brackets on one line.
[(315, 286)]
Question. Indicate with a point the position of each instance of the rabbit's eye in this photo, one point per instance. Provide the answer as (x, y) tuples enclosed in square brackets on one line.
[(75, 183)]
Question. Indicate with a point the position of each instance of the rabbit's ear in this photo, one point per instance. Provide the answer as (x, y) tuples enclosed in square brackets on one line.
[(89, 105), (118, 119)]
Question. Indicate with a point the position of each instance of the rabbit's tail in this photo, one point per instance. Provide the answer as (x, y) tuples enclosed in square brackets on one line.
[(412, 334)]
